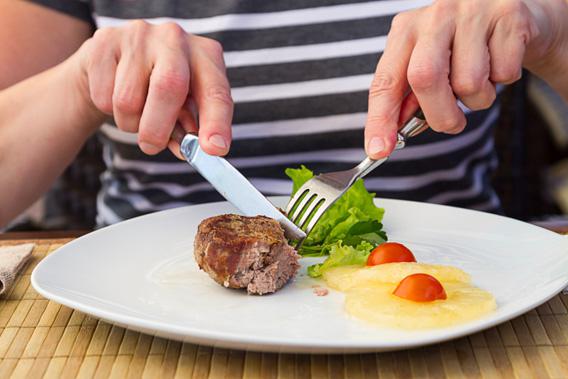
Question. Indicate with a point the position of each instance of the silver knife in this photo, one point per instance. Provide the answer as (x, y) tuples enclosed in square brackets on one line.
[(232, 184)]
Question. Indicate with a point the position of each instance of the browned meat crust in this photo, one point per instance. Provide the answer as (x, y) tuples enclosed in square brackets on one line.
[(245, 252)]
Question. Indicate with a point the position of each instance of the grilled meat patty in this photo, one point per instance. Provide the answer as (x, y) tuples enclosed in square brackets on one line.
[(245, 252)]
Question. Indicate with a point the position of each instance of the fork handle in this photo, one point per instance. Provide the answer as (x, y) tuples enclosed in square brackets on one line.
[(416, 125)]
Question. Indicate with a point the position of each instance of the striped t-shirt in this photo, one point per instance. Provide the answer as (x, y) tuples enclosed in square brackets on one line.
[(300, 71)]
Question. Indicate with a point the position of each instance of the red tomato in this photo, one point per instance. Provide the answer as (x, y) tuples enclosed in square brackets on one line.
[(390, 252), (420, 287)]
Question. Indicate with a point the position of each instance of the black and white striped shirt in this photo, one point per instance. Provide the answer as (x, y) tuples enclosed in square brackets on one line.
[(300, 71)]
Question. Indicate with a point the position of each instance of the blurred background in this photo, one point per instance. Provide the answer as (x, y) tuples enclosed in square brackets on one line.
[(532, 178)]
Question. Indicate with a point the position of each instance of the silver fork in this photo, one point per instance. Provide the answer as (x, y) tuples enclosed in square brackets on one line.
[(319, 193)]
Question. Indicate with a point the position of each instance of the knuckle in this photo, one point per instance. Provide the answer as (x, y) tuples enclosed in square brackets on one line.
[(487, 100), (102, 101), (127, 103), (383, 82), (174, 32), (213, 46), (137, 25), (482, 101), (220, 94), (172, 39), (401, 21), (99, 45), (511, 7), (155, 136), (92, 54), (521, 22), (103, 34), (458, 129), (523, 29), (445, 7), (127, 125), (135, 39), (423, 76), (469, 10), (87, 49), (475, 104), (172, 81), (506, 74), (450, 125), (466, 85), (517, 13)]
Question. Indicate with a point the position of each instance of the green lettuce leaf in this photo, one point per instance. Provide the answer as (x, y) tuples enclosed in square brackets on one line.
[(370, 231), (347, 231), (352, 219), (342, 255)]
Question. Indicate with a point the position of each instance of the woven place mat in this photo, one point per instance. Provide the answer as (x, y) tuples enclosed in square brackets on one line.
[(40, 338)]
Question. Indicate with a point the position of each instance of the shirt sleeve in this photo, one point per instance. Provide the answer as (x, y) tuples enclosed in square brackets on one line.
[(80, 9)]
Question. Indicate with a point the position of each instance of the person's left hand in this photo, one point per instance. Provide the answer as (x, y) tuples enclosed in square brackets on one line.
[(452, 50)]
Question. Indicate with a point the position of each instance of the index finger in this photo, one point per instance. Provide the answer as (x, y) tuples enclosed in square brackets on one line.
[(212, 94)]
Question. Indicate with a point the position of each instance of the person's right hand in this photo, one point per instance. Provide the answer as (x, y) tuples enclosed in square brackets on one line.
[(146, 76)]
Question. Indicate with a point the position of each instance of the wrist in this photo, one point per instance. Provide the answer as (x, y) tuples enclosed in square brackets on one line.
[(75, 78)]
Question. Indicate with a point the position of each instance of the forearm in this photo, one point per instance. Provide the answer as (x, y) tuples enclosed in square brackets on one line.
[(44, 121), (547, 55)]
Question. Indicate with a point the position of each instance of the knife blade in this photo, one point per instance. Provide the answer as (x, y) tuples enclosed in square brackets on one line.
[(234, 187)]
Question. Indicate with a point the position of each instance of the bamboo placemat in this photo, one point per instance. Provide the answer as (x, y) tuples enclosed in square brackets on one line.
[(39, 338)]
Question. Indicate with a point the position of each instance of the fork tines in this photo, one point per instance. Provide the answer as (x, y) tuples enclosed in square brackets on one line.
[(306, 207)]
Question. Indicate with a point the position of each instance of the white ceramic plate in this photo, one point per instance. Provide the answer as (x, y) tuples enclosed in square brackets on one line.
[(140, 274)]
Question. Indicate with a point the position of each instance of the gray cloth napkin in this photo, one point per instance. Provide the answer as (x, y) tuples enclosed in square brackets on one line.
[(12, 259)]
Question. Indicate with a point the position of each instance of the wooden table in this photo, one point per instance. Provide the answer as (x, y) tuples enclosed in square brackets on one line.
[(39, 338)]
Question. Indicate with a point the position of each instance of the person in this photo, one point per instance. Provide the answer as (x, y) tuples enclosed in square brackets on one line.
[(273, 84)]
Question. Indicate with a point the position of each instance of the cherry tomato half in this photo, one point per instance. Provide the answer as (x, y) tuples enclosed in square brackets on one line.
[(420, 287), (390, 252)]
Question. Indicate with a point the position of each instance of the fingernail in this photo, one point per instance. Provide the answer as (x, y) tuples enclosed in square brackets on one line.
[(376, 145), (218, 141), (148, 147)]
